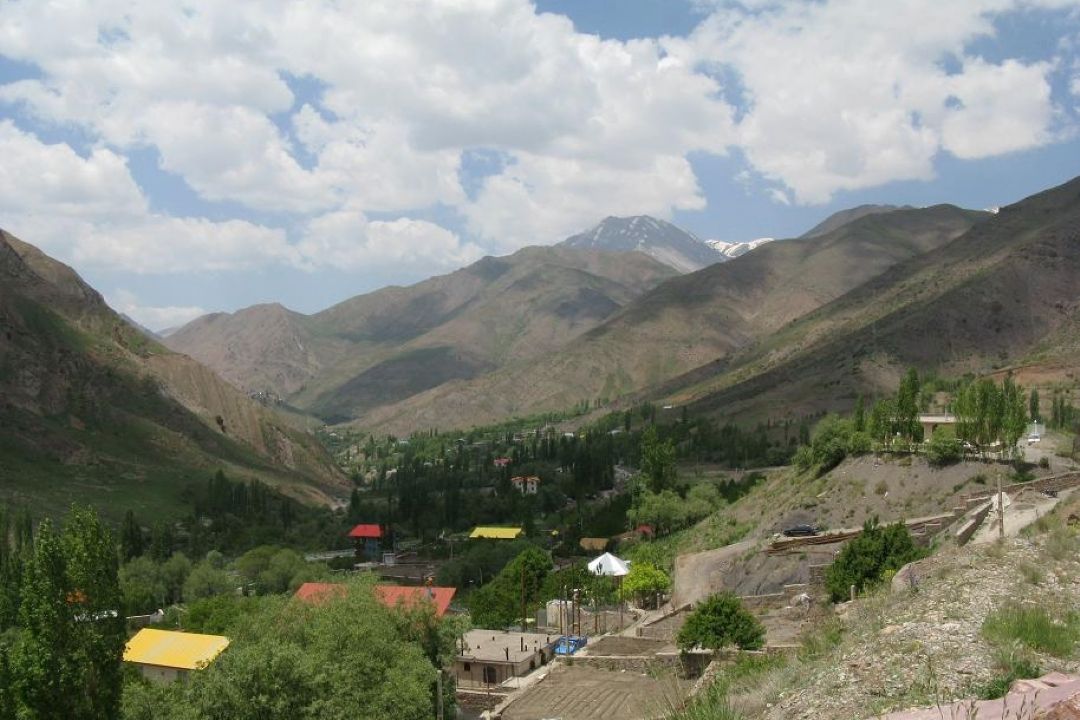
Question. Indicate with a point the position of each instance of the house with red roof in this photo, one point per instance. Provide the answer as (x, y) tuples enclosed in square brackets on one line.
[(369, 541), (501, 462), (408, 597), (392, 596), (315, 593)]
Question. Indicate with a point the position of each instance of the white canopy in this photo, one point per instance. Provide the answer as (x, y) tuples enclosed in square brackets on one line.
[(608, 564)]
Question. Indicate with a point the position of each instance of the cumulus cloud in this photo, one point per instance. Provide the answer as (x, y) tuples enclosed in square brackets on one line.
[(844, 94), (156, 318), (324, 114), (346, 240)]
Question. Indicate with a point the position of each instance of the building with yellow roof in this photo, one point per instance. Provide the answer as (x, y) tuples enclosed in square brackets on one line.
[(165, 655), (496, 533)]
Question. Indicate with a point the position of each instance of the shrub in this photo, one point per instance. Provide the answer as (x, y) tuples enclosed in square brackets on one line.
[(722, 621), (1044, 462), (864, 560), (943, 449)]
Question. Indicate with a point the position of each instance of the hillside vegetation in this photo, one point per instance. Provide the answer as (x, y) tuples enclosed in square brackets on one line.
[(94, 410), (689, 320), (1001, 295), (381, 348)]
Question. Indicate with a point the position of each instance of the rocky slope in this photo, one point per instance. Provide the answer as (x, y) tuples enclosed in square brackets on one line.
[(1001, 295), (381, 348), (91, 406), (688, 321)]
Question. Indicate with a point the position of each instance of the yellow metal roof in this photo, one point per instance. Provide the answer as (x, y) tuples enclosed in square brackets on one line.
[(496, 533), (189, 651)]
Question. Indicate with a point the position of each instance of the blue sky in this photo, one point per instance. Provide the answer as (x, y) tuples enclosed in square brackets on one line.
[(211, 156)]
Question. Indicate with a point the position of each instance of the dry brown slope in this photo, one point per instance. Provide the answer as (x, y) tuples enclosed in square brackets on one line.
[(1004, 293), (82, 388), (385, 346), (687, 321)]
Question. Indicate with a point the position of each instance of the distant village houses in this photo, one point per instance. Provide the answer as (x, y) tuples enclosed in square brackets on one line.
[(526, 485)]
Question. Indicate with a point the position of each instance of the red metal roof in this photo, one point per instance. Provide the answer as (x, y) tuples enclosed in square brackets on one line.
[(392, 595), (366, 531), (315, 593)]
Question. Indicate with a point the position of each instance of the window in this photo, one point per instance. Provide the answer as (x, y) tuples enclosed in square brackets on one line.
[(468, 667), (489, 675)]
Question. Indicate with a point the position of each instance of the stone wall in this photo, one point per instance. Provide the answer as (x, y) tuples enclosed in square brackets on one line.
[(1055, 483), (686, 665), (970, 525)]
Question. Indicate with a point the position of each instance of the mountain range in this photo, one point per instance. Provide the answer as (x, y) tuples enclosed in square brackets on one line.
[(90, 405), (665, 242), (790, 329), (384, 347)]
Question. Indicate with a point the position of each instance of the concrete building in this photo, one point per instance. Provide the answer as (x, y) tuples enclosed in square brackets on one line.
[(930, 423), (369, 541), (491, 657), (167, 656), (526, 485)]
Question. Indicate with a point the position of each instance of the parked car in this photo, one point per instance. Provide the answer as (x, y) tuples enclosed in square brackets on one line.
[(800, 531), (1034, 438)]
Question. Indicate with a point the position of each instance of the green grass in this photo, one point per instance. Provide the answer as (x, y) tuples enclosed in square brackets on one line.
[(1014, 665), (1033, 627)]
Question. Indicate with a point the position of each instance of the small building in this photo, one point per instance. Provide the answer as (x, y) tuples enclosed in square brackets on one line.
[(391, 596), (166, 655), (526, 485), (394, 596), (491, 657), (501, 462), (316, 593), (930, 423), (496, 533), (368, 539)]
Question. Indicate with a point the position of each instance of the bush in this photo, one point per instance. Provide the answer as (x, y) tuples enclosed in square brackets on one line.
[(719, 622), (864, 560), (943, 449)]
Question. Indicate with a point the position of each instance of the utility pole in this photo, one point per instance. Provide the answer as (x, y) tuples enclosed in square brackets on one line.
[(438, 689), (524, 623), (1001, 508)]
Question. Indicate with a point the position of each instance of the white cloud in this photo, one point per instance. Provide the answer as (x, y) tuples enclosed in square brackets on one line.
[(840, 94), (346, 240), (55, 180), (844, 94), (155, 318)]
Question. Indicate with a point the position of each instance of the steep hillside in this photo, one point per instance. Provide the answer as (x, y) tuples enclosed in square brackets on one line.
[(94, 410), (667, 243), (690, 320), (1001, 295), (839, 219), (386, 346)]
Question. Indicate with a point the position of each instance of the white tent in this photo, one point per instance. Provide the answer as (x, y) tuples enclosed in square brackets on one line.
[(608, 564)]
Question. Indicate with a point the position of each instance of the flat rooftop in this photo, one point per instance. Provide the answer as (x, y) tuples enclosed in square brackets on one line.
[(585, 693), (492, 645)]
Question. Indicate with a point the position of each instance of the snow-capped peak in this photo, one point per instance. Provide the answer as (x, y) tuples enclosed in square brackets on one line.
[(735, 249)]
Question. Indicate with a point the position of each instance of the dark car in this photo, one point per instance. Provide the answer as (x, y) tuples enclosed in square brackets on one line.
[(800, 531)]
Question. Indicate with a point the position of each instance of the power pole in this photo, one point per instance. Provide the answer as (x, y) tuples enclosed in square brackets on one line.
[(524, 623), (1001, 509), (438, 689)]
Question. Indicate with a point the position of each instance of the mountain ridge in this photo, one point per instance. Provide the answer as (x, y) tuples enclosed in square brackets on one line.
[(88, 395)]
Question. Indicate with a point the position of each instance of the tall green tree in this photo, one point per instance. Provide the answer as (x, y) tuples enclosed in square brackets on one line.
[(858, 418), (657, 460), (66, 660), (1033, 405), (131, 538), (907, 405)]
